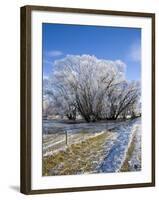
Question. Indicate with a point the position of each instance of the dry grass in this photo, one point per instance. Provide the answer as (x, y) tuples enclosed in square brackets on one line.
[(125, 167), (78, 158)]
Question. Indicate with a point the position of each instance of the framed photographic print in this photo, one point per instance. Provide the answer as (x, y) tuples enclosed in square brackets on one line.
[(87, 99)]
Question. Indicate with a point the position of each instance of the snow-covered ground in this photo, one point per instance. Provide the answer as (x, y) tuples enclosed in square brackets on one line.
[(114, 149), (135, 161), (117, 153)]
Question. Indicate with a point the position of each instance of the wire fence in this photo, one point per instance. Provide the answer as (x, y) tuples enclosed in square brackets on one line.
[(55, 142)]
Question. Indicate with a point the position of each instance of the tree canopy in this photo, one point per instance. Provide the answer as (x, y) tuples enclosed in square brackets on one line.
[(93, 88)]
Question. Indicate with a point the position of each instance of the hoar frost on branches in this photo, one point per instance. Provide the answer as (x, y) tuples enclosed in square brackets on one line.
[(93, 88)]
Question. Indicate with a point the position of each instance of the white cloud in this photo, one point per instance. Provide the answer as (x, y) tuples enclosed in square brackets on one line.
[(45, 77), (47, 62), (135, 52), (54, 53)]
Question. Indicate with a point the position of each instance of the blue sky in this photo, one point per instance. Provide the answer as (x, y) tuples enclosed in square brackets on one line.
[(110, 43)]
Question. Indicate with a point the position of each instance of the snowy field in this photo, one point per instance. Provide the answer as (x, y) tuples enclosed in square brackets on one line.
[(101, 147)]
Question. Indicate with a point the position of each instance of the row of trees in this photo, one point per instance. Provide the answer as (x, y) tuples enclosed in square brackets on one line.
[(92, 88)]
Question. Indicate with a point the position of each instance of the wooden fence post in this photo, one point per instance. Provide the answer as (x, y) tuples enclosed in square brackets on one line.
[(66, 139)]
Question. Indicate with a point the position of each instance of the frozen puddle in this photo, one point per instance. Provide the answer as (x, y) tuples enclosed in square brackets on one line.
[(116, 155)]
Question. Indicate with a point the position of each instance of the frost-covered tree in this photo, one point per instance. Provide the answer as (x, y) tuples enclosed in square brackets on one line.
[(122, 99), (47, 98), (94, 88), (56, 102)]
